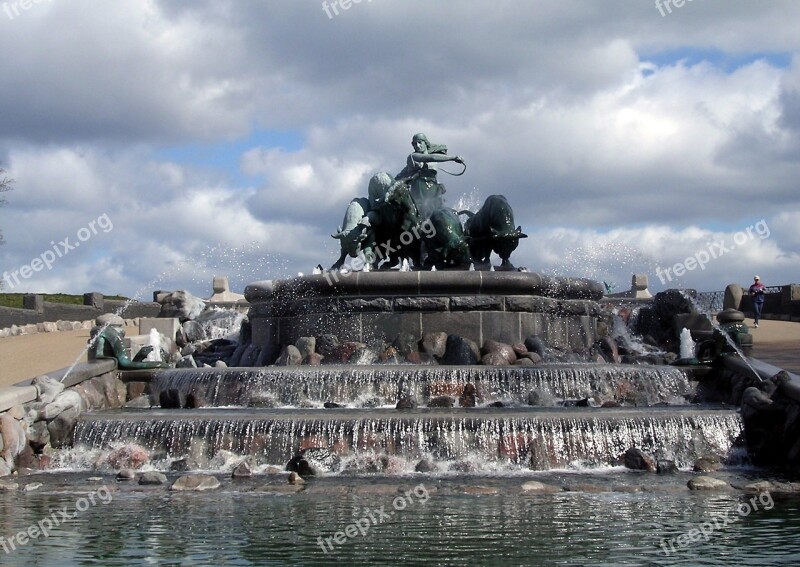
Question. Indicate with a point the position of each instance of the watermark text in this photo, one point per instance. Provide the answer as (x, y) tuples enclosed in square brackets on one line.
[(58, 250)]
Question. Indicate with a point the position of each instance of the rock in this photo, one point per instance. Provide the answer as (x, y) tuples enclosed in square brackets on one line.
[(610, 404), (460, 352), (171, 399), (195, 483), (533, 357), (537, 398), (327, 344), (707, 483), (64, 401), (250, 356), (524, 361), (363, 355), (406, 343), (539, 487), (236, 357), (759, 487), (434, 344), (187, 361), (502, 349), (608, 347), (406, 402), (306, 346), (195, 400), (48, 388), (142, 402), (38, 436), (313, 359), (441, 402), (152, 478), (129, 456), (180, 465), (242, 470), (754, 400), (539, 458), (181, 304), (468, 397), (496, 405), (665, 466), (26, 459), (342, 353), (62, 428), (519, 349), (193, 332), (332, 405), (494, 359), (295, 478), (707, 464), (220, 364), (636, 459), (426, 466), (535, 343), (13, 436), (314, 461), (126, 474)]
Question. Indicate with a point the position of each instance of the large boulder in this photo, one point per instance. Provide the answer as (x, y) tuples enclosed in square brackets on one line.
[(638, 460), (290, 356), (314, 461), (195, 483), (460, 352), (48, 388), (181, 304), (129, 456), (64, 401)]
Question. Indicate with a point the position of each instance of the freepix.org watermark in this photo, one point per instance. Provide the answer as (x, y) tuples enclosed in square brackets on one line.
[(713, 251), (15, 9), (332, 8), (374, 517), (665, 6), (384, 250), (717, 522), (43, 527), (47, 258)]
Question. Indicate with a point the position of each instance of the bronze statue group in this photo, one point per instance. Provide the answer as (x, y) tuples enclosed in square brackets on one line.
[(404, 219)]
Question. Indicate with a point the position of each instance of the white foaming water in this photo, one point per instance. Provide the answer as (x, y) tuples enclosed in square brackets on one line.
[(155, 342), (687, 344)]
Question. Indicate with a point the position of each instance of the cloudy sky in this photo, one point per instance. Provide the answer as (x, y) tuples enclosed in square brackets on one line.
[(156, 143)]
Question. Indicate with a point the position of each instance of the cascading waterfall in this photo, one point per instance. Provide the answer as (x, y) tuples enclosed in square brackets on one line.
[(522, 440), (379, 386)]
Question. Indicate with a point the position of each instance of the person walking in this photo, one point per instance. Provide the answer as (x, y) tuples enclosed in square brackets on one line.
[(757, 291)]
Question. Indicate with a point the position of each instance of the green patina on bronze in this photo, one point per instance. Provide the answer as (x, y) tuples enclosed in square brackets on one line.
[(108, 343)]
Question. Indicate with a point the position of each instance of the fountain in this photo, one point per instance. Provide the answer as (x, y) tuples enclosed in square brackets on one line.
[(452, 367), (494, 392)]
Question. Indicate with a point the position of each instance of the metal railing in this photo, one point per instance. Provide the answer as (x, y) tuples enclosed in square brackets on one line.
[(712, 301)]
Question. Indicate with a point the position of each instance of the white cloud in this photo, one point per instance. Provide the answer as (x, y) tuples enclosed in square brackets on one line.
[(614, 164)]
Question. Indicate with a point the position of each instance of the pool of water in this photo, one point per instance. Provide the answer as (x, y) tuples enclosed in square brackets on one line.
[(604, 519)]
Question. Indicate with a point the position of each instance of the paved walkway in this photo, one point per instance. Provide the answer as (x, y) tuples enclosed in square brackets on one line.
[(778, 343), (27, 356)]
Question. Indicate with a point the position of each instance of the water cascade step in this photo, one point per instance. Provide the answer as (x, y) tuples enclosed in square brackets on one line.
[(395, 441), (358, 386)]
